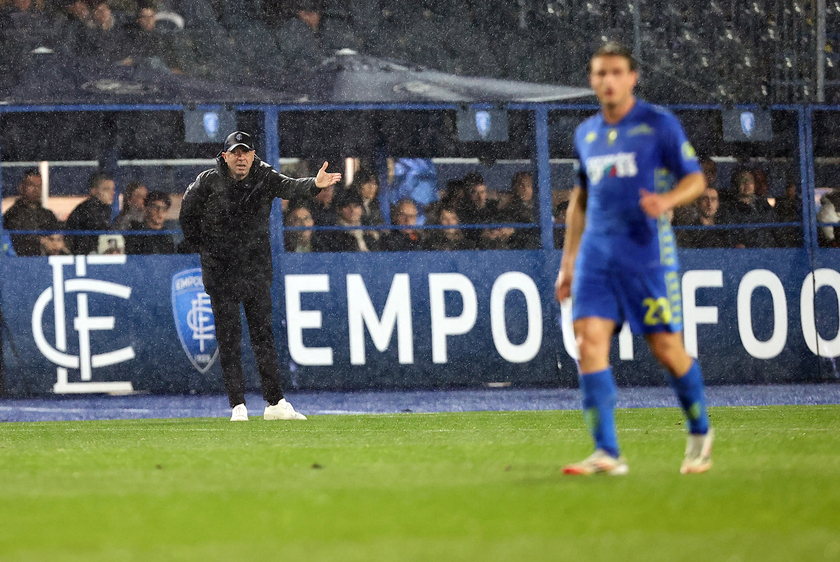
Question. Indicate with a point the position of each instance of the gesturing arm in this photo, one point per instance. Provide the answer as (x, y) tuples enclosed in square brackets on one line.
[(575, 221)]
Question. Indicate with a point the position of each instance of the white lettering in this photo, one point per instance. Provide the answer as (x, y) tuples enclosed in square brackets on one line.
[(397, 312), (527, 350), (443, 325), (625, 343), (568, 329), (693, 314), (773, 346), (298, 319), (813, 283), (622, 165)]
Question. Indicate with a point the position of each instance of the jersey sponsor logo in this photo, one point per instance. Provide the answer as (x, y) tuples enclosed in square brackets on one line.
[(641, 129), (83, 323), (621, 165), (194, 319)]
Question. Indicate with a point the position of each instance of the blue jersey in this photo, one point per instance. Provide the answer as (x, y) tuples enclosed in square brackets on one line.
[(626, 267), (648, 150)]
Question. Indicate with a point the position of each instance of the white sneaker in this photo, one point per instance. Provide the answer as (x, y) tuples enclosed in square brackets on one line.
[(240, 413), (282, 411), (698, 453), (599, 461)]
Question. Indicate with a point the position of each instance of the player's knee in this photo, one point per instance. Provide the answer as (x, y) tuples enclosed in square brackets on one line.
[(592, 347)]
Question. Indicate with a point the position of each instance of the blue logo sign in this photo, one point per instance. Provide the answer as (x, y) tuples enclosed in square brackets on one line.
[(747, 122), (211, 124), (194, 319), (483, 123)]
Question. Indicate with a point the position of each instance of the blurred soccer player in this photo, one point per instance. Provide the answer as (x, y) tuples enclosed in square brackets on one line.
[(620, 260)]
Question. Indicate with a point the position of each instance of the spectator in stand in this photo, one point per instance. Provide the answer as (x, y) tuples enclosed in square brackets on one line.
[(53, 245), (454, 195), (477, 208), (520, 206), (155, 207), (106, 39), (687, 214), (707, 207), (829, 212), (403, 239), (762, 188), (300, 241), (145, 44), (134, 196), (25, 27), (745, 208), (789, 209), (27, 213), (74, 23), (348, 208), (366, 184), (447, 239), (310, 36), (520, 209), (94, 213), (321, 207)]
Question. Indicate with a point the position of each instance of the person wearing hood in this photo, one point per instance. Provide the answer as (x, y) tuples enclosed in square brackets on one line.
[(225, 216)]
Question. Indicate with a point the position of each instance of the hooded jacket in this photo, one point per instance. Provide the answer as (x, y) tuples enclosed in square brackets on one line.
[(227, 221)]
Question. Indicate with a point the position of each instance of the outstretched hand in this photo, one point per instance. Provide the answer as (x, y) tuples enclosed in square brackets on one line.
[(652, 204), (325, 179)]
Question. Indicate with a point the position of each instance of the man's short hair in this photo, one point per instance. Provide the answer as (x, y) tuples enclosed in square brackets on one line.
[(615, 49), (31, 172), (473, 179), (96, 178), (131, 188), (154, 196)]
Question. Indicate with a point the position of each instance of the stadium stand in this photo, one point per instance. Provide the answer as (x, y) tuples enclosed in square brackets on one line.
[(717, 52)]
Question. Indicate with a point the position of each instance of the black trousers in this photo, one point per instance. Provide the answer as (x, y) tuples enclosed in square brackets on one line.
[(255, 297)]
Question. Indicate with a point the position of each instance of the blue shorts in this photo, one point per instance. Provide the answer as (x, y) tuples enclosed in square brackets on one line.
[(648, 299)]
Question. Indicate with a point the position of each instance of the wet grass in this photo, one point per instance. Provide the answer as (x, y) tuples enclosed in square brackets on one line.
[(457, 486)]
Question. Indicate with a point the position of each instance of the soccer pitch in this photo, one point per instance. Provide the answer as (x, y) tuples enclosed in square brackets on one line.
[(480, 486)]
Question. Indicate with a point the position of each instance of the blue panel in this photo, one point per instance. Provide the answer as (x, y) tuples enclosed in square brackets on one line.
[(738, 347)]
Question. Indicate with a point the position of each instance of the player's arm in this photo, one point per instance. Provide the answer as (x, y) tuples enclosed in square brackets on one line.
[(575, 221), (689, 188)]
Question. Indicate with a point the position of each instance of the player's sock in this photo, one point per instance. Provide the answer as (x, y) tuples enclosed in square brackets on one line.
[(689, 390), (598, 404)]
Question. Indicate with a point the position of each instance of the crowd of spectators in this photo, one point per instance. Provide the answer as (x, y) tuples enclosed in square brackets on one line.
[(466, 216), (142, 210), (707, 220), (263, 42), (475, 217)]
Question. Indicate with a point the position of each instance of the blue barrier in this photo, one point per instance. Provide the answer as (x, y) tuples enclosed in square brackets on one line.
[(402, 320)]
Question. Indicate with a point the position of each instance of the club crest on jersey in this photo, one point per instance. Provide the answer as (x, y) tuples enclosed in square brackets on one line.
[(194, 319), (621, 165)]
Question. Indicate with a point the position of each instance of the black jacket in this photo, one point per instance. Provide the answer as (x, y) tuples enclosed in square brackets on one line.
[(227, 221), (90, 214)]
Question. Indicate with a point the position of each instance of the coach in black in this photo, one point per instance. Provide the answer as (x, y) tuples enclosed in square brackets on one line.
[(225, 218)]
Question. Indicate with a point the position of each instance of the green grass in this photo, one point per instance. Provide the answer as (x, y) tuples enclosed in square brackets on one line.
[(481, 486)]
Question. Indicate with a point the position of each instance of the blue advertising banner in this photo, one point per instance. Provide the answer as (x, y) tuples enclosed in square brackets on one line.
[(121, 324)]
